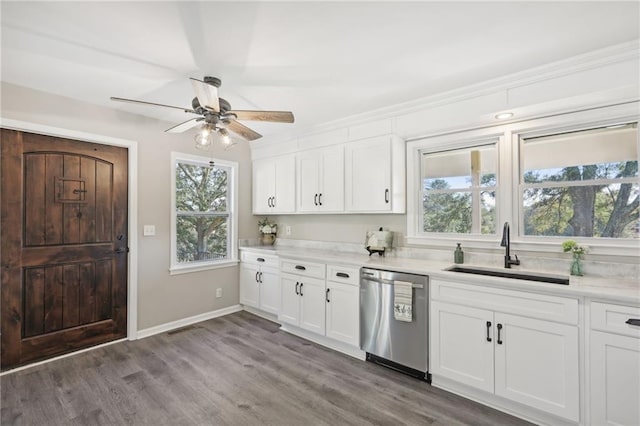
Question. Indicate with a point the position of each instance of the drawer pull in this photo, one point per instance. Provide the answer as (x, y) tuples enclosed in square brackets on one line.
[(260, 259), (633, 321), (342, 275), (488, 329), (300, 267)]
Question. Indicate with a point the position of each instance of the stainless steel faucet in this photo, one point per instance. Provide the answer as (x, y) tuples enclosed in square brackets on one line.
[(506, 242)]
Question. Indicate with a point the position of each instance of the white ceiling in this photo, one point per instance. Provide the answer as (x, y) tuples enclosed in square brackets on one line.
[(321, 60)]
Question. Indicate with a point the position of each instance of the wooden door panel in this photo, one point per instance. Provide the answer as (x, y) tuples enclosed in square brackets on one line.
[(64, 239)]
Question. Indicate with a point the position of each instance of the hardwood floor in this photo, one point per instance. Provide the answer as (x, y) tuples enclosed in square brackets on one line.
[(235, 370)]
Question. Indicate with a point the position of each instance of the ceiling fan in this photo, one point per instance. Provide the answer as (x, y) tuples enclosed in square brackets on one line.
[(216, 116)]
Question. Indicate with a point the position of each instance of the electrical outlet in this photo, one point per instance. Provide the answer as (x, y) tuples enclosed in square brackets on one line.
[(218, 293), (287, 230), (149, 230)]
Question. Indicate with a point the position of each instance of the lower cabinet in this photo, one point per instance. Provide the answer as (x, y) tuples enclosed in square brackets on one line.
[(614, 353), (260, 282), (343, 312), (303, 301), (527, 360)]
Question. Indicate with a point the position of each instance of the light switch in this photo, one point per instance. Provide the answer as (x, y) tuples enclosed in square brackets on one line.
[(149, 230)]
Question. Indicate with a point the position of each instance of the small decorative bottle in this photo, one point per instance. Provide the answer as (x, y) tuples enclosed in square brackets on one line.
[(458, 255)]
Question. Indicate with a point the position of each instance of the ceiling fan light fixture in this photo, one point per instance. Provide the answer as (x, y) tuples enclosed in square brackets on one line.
[(204, 138), (225, 138)]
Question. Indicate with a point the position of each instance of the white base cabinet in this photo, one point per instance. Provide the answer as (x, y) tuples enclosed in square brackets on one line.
[(527, 360), (260, 282), (343, 305), (614, 371)]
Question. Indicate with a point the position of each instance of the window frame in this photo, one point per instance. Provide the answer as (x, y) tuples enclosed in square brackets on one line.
[(232, 209), (509, 194)]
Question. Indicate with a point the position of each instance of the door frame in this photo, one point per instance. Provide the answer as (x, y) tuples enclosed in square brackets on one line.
[(132, 188)]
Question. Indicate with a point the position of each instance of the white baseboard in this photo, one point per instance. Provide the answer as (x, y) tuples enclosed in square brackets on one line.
[(324, 341), (162, 328)]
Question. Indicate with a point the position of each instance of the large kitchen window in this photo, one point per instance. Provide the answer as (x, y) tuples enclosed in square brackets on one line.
[(581, 184), (458, 190), (204, 218)]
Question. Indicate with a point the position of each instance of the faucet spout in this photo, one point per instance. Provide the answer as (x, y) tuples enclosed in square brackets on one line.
[(506, 243)]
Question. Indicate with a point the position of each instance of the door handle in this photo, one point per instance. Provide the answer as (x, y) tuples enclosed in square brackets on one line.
[(499, 328), (320, 198), (386, 195), (301, 284), (297, 284), (260, 277), (633, 321), (121, 250), (269, 202), (257, 277), (315, 199), (488, 329), (327, 296), (274, 201)]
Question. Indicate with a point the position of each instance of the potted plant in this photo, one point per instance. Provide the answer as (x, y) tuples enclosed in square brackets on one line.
[(268, 230), (577, 251)]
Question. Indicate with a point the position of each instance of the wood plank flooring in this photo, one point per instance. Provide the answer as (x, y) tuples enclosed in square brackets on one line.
[(235, 370)]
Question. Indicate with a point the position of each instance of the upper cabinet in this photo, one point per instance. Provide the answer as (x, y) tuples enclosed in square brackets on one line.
[(321, 180), (274, 185), (375, 175)]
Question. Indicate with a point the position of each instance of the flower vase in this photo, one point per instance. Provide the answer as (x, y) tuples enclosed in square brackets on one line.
[(576, 266), (268, 239)]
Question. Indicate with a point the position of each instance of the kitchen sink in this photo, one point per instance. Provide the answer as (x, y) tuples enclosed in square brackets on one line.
[(528, 276)]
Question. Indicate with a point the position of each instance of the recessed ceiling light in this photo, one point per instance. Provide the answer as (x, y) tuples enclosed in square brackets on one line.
[(504, 115)]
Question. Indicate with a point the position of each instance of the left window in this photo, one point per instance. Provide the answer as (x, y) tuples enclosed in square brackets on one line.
[(204, 213)]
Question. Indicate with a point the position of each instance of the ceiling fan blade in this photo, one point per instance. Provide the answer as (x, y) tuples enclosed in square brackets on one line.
[(207, 94), (133, 101), (275, 116), (243, 131), (183, 127)]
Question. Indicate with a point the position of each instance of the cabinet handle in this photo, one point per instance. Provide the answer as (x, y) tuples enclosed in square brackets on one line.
[(300, 267), (257, 277), (342, 275), (260, 259), (260, 277), (386, 195), (327, 296), (301, 284), (274, 201), (315, 199), (297, 284), (499, 328), (320, 198), (633, 321), (488, 329), (269, 202)]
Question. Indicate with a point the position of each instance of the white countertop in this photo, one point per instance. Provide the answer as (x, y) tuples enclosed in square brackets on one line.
[(605, 289)]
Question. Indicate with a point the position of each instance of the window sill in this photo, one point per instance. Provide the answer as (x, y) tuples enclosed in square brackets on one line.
[(187, 269)]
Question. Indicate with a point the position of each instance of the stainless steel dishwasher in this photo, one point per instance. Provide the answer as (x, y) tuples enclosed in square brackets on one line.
[(401, 345)]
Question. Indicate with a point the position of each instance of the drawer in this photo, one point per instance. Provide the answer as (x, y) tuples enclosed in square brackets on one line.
[(612, 318), (260, 259), (303, 267), (542, 306), (343, 274)]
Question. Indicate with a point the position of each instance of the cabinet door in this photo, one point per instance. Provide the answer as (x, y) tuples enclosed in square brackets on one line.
[(343, 312), (331, 186), (249, 286), (368, 175), (536, 364), (285, 185), (615, 379), (460, 349), (263, 185), (270, 290), (312, 310), (308, 164), (290, 299)]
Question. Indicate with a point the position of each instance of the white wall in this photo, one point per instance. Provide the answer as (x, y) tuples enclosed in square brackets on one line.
[(161, 298)]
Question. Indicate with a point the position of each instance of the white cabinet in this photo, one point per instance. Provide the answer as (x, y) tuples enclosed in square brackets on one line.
[(479, 339), (321, 180), (274, 185), (302, 295), (614, 369), (260, 282), (375, 175), (343, 304)]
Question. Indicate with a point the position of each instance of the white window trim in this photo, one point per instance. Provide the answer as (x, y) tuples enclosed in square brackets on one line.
[(176, 268), (508, 206)]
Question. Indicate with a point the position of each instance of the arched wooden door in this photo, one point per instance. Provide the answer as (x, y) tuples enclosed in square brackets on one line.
[(64, 245)]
